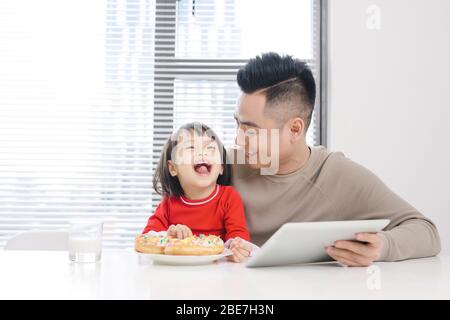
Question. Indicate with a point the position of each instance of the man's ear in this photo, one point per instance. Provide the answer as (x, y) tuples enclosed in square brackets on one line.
[(297, 126), (172, 168)]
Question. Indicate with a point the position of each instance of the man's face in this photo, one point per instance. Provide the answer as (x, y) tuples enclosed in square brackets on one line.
[(263, 140)]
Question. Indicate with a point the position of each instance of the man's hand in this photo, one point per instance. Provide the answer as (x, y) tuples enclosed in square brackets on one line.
[(357, 254), (241, 250), (179, 231)]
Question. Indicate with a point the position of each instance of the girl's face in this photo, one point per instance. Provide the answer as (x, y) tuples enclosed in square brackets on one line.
[(196, 160)]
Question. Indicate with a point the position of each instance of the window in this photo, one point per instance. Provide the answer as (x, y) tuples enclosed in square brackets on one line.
[(90, 90)]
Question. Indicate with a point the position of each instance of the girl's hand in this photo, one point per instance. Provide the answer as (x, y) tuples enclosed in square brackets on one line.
[(241, 250), (179, 231)]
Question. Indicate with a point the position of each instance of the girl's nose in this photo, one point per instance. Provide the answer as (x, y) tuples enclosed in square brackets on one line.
[(202, 153)]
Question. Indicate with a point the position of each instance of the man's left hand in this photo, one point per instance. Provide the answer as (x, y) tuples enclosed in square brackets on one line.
[(359, 253)]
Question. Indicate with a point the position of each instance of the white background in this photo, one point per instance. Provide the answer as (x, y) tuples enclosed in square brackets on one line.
[(389, 97)]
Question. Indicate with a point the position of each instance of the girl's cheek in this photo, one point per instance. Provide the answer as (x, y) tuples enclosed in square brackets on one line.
[(218, 168), (186, 158), (215, 158), (185, 173)]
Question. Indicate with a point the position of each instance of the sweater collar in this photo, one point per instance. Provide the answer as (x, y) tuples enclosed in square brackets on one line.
[(201, 201)]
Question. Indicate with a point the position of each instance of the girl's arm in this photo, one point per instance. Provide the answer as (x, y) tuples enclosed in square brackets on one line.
[(159, 221), (237, 236), (234, 217)]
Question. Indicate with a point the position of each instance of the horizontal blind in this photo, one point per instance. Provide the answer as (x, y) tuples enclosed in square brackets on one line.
[(90, 91), (76, 115)]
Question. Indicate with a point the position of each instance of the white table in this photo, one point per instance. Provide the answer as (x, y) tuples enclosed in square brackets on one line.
[(123, 275)]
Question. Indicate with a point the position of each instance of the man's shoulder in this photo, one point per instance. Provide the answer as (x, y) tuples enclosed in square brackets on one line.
[(336, 168), (321, 155), (343, 164), (323, 167)]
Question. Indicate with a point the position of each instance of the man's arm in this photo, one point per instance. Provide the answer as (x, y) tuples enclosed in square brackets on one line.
[(409, 234), (413, 238)]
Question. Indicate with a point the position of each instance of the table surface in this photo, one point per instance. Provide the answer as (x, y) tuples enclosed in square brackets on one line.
[(126, 275)]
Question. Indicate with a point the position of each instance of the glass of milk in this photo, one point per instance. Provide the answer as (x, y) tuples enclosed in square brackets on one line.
[(85, 240)]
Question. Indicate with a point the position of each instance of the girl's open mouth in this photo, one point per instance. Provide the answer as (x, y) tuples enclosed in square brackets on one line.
[(202, 168)]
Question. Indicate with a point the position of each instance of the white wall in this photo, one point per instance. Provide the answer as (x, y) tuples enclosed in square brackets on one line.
[(389, 97)]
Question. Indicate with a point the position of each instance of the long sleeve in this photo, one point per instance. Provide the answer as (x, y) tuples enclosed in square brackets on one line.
[(159, 221), (413, 238), (409, 234), (234, 217)]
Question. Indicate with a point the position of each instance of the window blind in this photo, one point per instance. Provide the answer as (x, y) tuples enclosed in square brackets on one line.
[(90, 91)]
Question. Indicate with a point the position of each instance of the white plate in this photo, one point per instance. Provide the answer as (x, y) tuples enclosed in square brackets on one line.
[(185, 260)]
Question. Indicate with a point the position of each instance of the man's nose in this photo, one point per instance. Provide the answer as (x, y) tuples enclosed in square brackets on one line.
[(240, 138)]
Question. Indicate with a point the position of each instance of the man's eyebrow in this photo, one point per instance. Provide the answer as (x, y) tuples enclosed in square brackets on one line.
[(246, 123)]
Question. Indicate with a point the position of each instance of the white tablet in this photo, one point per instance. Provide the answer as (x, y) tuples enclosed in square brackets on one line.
[(305, 242)]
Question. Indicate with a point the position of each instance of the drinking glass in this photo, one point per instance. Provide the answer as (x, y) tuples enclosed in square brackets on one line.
[(85, 240)]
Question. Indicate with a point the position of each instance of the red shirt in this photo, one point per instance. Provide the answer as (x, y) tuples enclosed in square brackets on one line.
[(220, 214)]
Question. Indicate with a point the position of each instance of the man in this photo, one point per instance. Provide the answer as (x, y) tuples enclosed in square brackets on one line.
[(310, 183)]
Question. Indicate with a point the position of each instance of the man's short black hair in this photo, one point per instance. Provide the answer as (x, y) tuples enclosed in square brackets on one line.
[(284, 80)]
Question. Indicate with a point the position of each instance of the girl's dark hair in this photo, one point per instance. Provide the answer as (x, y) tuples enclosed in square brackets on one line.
[(167, 185)]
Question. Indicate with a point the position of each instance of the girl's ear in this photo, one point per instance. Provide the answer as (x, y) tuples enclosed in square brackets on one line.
[(221, 170), (172, 168)]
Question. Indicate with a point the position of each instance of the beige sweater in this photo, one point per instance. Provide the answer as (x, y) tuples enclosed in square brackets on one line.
[(331, 187)]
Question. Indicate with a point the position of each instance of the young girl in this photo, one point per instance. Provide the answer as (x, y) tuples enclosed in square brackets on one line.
[(194, 180)]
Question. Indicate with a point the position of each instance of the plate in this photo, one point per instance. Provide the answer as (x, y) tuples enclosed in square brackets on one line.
[(185, 260)]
